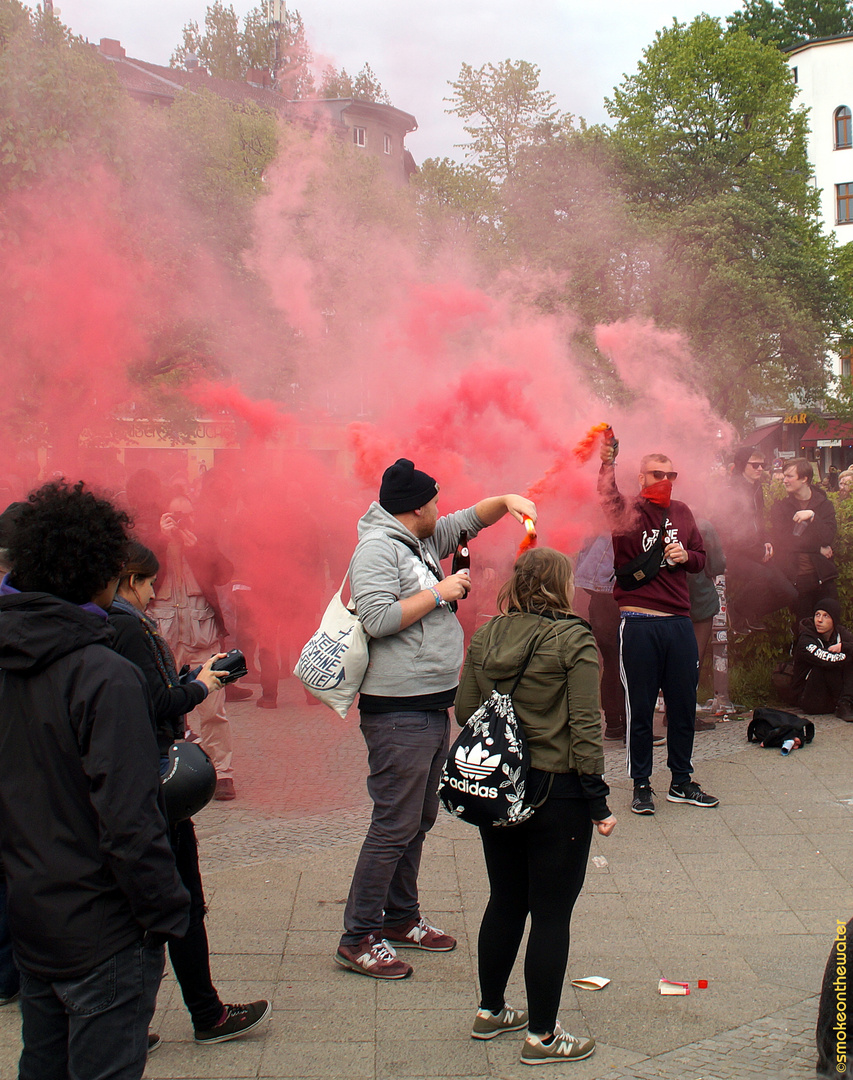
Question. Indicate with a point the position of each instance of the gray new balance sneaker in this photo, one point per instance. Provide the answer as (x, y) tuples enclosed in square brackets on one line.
[(562, 1047), (488, 1024)]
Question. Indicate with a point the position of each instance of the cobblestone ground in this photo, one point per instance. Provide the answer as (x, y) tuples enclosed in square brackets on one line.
[(746, 896), (320, 755)]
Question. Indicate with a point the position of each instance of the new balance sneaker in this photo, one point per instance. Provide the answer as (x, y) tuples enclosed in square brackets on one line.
[(488, 1024), (418, 934), (562, 1047), (236, 1021), (154, 1041), (643, 803), (690, 792), (374, 957), (659, 740)]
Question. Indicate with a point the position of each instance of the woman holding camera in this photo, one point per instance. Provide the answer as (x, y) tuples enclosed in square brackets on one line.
[(136, 638), (538, 867)]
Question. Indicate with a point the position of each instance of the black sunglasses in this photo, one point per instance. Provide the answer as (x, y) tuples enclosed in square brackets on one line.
[(658, 475)]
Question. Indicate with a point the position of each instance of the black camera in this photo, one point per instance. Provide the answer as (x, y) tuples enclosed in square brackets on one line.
[(230, 667)]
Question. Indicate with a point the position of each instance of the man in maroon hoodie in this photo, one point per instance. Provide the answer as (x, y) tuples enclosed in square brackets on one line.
[(657, 646)]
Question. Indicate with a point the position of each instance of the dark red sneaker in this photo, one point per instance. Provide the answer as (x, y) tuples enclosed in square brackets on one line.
[(374, 957), (418, 934)]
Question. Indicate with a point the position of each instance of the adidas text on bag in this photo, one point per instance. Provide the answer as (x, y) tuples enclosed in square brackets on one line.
[(484, 779)]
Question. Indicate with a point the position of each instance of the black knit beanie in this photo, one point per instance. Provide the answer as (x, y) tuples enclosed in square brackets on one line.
[(405, 488), (833, 610)]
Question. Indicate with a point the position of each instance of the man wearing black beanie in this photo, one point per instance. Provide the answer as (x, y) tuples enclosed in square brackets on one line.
[(416, 649)]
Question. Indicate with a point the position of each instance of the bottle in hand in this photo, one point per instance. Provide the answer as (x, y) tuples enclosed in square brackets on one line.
[(461, 556)]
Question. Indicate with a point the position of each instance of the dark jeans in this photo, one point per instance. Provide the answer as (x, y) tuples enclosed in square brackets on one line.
[(810, 592), (825, 686), (755, 589), (190, 955), (537, 867), (405, 753), (604, 620), (94, 1027), (10, 980), (660, 654)]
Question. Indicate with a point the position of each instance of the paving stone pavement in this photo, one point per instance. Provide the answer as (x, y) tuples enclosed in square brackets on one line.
[(745, 896)]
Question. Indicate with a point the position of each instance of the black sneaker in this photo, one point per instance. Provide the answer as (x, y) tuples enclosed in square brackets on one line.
[(238, 1020), (616, 734), (690, 792), (844, 711), (643, 802)]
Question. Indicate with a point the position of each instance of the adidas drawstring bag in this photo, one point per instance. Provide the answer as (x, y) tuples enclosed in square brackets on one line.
[(484, 779), (332, 664)]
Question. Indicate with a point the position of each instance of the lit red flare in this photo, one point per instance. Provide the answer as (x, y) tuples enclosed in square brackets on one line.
[(529, 538), (583, 450)]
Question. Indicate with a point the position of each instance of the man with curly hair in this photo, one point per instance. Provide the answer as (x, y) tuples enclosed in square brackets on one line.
[(92, 887)]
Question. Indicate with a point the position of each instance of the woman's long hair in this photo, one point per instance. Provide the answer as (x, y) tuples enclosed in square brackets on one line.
[(542, 583), (140, 561)]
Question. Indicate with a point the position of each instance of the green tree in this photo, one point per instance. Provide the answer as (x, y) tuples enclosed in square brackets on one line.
[(221, 152), (218, 48), (713, 158), (792, 21), (279, 46), (55, 95), (504, 110), (274, 44), (365, 86)]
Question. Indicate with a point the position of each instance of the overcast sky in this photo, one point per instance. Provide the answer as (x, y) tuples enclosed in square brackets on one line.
[(583, 48)]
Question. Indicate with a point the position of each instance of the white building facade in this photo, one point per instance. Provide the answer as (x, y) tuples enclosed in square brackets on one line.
[(823, 72)]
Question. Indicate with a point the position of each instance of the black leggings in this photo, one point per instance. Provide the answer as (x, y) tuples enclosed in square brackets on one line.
[(190, 955), (536, 868)]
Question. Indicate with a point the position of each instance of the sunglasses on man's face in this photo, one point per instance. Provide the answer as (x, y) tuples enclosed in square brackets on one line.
[(659, 475)]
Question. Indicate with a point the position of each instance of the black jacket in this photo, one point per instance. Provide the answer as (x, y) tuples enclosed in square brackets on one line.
[(812, 652), (819, 532), (82, 834), (171, 703)]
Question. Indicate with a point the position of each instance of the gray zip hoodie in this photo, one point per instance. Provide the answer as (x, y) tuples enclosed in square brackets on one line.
[(390, 564)]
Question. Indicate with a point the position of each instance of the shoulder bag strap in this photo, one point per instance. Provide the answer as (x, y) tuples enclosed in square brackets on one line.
[(535, 641)]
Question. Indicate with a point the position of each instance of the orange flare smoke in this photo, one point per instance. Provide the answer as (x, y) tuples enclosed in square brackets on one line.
[(529, 538), (583, 450)]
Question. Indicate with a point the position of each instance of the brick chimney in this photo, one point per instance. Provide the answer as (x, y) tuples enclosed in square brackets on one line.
[(259, 77), (111, 48)]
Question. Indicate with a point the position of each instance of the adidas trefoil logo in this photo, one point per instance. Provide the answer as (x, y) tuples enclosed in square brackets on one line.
[(477, 763)]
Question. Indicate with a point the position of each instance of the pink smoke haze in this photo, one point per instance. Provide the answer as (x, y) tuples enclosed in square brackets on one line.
[(372, 345)]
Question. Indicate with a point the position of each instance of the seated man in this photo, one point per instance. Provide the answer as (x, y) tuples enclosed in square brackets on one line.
[(823, 663)]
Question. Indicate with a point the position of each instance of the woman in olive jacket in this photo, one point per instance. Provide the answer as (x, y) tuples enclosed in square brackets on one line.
[(538, 867)]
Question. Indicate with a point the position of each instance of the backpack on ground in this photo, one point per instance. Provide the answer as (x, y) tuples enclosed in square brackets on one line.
[(773, 727), (484, 779)]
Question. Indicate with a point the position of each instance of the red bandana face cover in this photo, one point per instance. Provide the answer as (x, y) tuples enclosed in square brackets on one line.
[(659, 493)]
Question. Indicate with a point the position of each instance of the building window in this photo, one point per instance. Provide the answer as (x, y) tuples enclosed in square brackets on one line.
[(843, 204), (796, 75), (387, 144), (845, 367), (843, 128), (359, 136)]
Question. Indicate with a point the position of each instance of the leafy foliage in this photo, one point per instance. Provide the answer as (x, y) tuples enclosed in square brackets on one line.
[(365, 86), (505, 111), (228, 52), (55, 95), (793, 21), (713, 156)]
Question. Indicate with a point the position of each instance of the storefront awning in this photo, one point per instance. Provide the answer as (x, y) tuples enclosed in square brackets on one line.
[(761, 433), (828, 431)]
